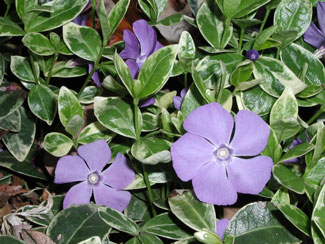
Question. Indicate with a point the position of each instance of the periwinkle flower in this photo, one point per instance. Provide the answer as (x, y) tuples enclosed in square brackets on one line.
[(106, 185), (177, 100), (214, 162), (139, 46), (221, 227), (252, 54)]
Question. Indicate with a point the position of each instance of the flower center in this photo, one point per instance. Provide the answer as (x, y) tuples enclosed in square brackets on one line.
[(93, 178), (223, 154)]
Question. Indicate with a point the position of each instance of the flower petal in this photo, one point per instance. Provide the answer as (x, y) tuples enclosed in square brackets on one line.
[(132, 49), (146, 36), (251, 134), (70, 169), (80, 20), (95, 76), (189, 153), (321, 15), (314, 36), (157, 46), (211, 121), (147, 102), (119, 175), (250, 175), (221, 227), (96, 154), (211, 185), (133, 67), (112, 198), (177, 100), (77, 194)]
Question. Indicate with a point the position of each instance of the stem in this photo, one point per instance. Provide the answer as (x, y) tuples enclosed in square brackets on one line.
[(149, 195), (7, 10), (278, 53), (93, 12), (136, 121), (33, 68), (316, 115), (267, 13), (47, 82), (185, 80), (224, 36), (222, 84), (242, 31)]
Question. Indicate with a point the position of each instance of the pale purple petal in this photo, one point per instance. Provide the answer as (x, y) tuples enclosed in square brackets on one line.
[(157, 46), (189, 153), (133, 67), (119, 175), (147, 102), (70, 169), (183, 93), (251, 134), (132, 49), (292, 161), (146, 36), (97, 154), (80, 20), (95, 76), (211, 185), (250, 175), (78, 194), (314, 36), (211, 121), (177, 100), (221, 227), (321, 15), (112, 198)]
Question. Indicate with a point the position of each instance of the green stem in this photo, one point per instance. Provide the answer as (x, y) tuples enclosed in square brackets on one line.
[(136, 119), (278, 53), (7, 10), (149, 195), (316, 115), (185, 80), (33, 68), (222, 84), (242, 31), (51, 69), (224, 35), (267, 13)]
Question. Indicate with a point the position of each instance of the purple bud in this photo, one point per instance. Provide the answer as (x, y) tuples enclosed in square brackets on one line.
[(252, 54)]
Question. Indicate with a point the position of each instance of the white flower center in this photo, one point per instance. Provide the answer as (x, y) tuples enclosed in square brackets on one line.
[(93, 178), (223, 153)]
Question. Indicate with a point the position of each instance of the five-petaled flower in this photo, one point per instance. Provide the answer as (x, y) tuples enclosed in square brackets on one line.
[(214, 162), (106, 185), (134, 53)]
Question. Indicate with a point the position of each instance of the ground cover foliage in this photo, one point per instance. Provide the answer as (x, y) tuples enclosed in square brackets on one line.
[(113, 132)]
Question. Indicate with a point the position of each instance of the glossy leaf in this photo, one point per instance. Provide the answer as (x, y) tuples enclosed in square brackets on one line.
[(68, 106), (207, 237), (10, 240), (147, 238), (74, 125), (263, 37), (10, 28), (248, 6), (57, 144), (116, 115), (297, 151), (20, 143), (21, 68), (11, 122), (38, 44), (82, 41), (94, 131), (124, 73), (273, 149), (318, 216), (10, 101), (192, 100), (186, 47), (288, 179), (155, 70), (88, 94), (195, 214), (83, 221), (42, 103), (64, 69), (314, 177)]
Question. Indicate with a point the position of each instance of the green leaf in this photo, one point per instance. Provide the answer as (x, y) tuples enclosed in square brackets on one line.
[(64, 12), (242, 73), (92, 240), (288, 179), (42, 103), (20, 143), (21, 68), (94, 132), (285, 38), (118, 221), (277, 76), (263, 37), (248, 6), (11, 122), (155, 70), (151, 150), (116, 115), (186, 47), (83, 222), (2, 68), (297, 217), (124, 73), (314, 177), (150, 122), (169, 20), (57, 144), (64, 69), (230, 7), (207, 237), (68, 106), (10, 101), (195, 214), (166, 226), (38, 44), (207, 94), (273, 148), (192, 100), (104, 24), (293, 15), (297, 151), (82, 41), (25, 168), (318, 216), (147, 238), (259, 221), (10, 28), (10, 240), (88, 94), (74, 125), (281, 196)]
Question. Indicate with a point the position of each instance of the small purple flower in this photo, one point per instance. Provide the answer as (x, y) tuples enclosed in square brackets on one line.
[(252, 55), (139, 46), (106, 185), (313, 35), (214, 163), (147, 102), (221, 227), (177, 100)]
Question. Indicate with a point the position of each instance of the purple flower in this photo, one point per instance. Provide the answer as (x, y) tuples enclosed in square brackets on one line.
[(139, 46), (106, 185), (214, 163), (313, 35), (147, 102), (221, 227), (177, 100), (252, 54)]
